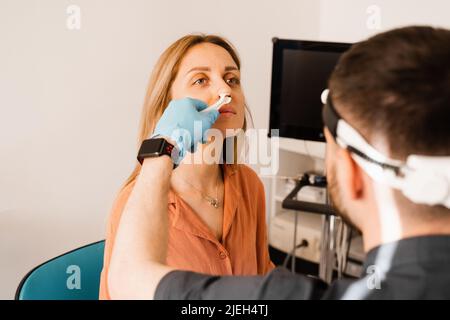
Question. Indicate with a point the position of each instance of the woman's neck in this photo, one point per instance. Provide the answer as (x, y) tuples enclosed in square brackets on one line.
[(201, 174)]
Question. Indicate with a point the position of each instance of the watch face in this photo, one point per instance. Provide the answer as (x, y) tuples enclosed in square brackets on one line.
[(154, 148)]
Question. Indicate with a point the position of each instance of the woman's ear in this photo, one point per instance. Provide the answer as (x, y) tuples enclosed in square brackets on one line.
[(350, 174)]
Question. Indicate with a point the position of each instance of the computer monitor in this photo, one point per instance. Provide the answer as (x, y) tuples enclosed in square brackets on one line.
[(300, 72)]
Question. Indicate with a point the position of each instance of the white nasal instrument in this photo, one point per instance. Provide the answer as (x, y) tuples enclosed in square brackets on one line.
[(224, 98)]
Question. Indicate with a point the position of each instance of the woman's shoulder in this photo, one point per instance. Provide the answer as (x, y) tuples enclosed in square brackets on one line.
[(247, 175), (246, 171)]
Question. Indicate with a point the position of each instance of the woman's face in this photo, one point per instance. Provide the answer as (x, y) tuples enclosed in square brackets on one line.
[(206, 71)]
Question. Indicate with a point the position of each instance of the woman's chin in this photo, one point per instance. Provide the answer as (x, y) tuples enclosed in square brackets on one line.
[(228, 121), (227, 129)]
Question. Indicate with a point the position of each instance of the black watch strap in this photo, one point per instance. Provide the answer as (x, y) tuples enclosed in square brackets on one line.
[(155, 147)]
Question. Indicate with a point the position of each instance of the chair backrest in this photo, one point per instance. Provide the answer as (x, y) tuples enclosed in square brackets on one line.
[(74, 275)]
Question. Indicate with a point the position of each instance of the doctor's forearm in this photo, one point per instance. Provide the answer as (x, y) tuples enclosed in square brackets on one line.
[(141, 242)]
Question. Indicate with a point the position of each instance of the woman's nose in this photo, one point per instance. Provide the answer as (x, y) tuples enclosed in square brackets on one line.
[(215, 97), (222, 88)]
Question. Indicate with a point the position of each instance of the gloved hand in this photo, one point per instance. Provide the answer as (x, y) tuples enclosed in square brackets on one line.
[(177, 124)]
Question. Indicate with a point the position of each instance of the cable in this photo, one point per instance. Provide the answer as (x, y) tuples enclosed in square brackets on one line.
[(311, 179), (295, 241), (343, 241), (304, 243), (338, 252)]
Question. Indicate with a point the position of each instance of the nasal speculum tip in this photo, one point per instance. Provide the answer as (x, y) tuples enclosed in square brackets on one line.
[(223, 99)]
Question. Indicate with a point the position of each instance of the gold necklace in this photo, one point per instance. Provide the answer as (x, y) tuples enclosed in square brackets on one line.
[(211, 200)]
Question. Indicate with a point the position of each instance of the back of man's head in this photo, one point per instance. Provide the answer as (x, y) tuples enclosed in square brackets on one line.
[(396, 86)]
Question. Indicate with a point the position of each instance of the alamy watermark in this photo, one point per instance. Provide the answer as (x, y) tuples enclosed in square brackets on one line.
[(374, 277), (373, 21), (73, 21), (235, 146), (73, 281)]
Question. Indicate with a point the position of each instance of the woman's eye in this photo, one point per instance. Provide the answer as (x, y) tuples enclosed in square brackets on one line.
[(200, 81), (234, 81)]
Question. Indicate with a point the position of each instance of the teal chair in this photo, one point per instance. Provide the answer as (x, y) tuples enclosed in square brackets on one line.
[(74, 275)]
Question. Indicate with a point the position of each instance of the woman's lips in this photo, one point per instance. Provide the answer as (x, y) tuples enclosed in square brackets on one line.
[(227, 111)]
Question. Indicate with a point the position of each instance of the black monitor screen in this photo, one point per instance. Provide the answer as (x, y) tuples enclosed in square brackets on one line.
[(300, 72)]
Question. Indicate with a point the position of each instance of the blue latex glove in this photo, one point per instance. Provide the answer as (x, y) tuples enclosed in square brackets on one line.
[(177, 123)]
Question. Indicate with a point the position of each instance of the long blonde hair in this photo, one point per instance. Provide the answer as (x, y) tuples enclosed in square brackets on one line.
[(158, 90)]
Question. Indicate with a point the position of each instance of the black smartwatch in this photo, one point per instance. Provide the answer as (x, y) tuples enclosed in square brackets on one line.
[(155, 147)]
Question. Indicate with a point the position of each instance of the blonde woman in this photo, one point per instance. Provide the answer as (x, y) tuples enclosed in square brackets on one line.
[(217, 221)]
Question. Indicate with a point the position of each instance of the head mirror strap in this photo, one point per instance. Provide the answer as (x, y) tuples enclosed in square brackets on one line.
[(396, 169), (330, 116)]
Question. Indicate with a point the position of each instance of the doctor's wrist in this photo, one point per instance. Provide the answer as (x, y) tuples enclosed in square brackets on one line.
[(158, 165)]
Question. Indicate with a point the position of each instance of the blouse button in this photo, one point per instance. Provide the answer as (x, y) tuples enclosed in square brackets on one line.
[(222, 255)]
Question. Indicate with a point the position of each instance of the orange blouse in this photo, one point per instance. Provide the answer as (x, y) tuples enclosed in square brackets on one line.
[(193, 246)]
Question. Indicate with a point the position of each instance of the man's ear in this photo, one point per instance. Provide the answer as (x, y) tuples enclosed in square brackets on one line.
[(350, 174)]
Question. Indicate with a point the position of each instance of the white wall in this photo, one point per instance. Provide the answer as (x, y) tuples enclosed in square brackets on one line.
[(354, 20), (70, 103)]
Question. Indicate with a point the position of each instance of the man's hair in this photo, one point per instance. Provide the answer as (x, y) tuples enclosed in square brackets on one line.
[(397, 84)]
